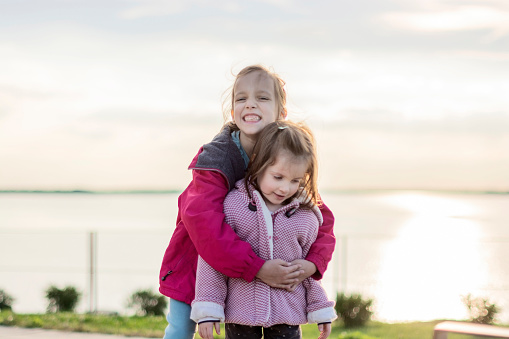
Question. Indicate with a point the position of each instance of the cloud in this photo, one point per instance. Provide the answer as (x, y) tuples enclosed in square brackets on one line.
[(478, 55), (452, 153), (458, 18), (155, 8), (108, 93), (485, 125)]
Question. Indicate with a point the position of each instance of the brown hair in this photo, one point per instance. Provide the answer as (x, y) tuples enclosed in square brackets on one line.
[(279, 91), (295, 138)]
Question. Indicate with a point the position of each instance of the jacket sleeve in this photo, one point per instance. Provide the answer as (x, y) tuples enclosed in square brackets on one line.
[(202, 214), (319, 308), (321, 251), (211, 290)]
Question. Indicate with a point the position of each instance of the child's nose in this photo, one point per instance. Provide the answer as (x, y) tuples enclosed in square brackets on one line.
[(250, 103), (284, 188)]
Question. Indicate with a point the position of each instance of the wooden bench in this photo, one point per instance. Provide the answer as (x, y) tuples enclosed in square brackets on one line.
[(444, 328)]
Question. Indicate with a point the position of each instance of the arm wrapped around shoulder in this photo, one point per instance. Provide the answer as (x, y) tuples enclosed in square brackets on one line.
[(321, 251)]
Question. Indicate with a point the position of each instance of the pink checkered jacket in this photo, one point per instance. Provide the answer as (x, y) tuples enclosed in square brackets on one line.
[(286, 234)]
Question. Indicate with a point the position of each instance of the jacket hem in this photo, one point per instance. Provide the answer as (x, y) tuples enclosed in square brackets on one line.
[(172, 294)]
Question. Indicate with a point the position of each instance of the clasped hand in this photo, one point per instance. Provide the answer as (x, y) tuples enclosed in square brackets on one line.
[(278, 273)]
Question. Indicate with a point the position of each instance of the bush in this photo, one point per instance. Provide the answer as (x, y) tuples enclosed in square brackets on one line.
[(145, 302), (353, 310), (481, 311), (64, 300), (5, 301)]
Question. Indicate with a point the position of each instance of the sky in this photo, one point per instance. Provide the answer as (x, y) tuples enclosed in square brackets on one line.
[(120, 94)]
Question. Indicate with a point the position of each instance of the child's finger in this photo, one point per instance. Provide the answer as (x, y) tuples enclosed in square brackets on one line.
[(218, 328), (325, 330), (201, 331), (210, 333), (292, 268), (292, 287), (292, 275), (206, 331)]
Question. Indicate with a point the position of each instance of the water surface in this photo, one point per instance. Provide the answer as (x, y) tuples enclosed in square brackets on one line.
[(415, 253)]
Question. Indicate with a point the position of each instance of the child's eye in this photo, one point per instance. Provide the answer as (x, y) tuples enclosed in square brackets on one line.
[(264, 98), (295, 181), (277, 177), (240, 99)]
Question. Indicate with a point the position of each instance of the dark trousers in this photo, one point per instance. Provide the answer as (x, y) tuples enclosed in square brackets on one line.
[(234, 331)]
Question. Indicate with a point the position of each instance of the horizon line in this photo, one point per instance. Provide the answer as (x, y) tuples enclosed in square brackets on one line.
[(173, 191)]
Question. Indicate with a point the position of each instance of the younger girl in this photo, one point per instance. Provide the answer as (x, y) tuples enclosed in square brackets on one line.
[(257, 99), (275, 210)]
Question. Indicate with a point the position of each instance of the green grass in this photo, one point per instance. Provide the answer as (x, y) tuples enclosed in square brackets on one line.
[(153, 327)]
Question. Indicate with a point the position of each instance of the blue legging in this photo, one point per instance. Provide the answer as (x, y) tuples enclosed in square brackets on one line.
[(180, 325)]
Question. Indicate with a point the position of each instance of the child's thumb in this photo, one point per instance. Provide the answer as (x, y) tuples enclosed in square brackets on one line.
[(320, 327), (218, 328)]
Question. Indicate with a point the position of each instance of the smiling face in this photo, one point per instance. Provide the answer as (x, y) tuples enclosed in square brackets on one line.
[(282, 179), (254, 104)]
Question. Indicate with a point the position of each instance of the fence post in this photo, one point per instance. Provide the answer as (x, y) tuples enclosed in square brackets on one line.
[(93, 272)]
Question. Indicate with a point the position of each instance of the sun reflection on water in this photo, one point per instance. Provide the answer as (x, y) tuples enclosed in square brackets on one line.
[(432, 262)]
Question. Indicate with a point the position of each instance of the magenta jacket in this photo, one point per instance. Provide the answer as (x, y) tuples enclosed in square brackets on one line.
[(288, 234), (201, 228)]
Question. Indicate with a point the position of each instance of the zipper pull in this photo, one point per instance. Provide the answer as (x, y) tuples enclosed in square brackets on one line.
[(167, 274)]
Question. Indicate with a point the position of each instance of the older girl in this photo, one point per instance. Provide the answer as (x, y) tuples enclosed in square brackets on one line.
[(257, 99)]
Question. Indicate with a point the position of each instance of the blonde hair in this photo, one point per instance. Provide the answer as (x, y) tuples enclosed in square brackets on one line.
[(279, 91), (295, 138)]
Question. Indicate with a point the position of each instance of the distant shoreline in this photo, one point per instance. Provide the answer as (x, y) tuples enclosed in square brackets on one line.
[(325, 191), (93, 192)]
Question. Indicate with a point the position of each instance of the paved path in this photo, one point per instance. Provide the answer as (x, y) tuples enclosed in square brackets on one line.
[(8, 332)]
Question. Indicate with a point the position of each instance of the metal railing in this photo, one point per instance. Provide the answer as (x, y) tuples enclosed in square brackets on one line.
[(107, 278)]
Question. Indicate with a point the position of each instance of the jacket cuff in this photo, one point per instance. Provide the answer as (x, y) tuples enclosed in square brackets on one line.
[(322, 316), (202, 310), (208, 320), (253, 269), (321, 266)]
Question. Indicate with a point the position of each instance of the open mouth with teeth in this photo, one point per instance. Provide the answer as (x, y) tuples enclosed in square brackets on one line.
[(251, 118)]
